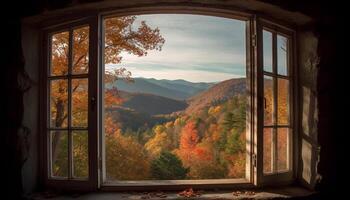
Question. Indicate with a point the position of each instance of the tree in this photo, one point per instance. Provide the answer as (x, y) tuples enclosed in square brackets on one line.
[(189, 136), (237, 117), (234, 142), (160, 142), (168, 167), (125, 157), (120, 35)]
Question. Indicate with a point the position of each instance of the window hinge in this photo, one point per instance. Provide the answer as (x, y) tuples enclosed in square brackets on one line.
[(254, 160), (254, 40)]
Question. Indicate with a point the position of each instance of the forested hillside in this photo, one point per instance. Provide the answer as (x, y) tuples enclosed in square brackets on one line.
[(209, 144)]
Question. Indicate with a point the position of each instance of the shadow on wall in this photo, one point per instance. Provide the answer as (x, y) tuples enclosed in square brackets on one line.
[(14, 135), (308, 143)]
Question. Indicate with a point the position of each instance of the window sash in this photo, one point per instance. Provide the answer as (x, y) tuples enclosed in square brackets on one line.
[(71, 181), (277, 175)]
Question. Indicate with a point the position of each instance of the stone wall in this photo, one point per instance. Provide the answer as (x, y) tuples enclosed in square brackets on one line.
[(308, 61)]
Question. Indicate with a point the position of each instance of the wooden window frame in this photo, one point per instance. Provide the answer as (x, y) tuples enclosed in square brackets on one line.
[(254, 173), (68, 183), (288, 176), (182, 184)]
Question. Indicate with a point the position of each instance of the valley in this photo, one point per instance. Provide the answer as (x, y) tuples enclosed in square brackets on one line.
[(204, 132)]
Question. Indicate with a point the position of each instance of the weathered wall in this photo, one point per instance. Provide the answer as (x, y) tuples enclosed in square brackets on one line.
[(30, 43), (308, 110), (308, 47)]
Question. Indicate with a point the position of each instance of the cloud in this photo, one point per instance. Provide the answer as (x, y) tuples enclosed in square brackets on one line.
[(194, 43), (190, 75)]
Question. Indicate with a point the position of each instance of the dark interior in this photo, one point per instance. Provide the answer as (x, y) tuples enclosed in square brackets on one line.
[(19, 145)]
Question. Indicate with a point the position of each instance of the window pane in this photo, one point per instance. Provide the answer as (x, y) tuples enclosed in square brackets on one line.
[(268, 101), (282, 48), (80, 154), (282, 149), (59, 153), (59, 53), (58, 103), (267, 51), (79, 102), (80, 63), (267, 144), (283, 101)]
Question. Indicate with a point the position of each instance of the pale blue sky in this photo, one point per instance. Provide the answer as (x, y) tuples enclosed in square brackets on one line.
[(197, 48)]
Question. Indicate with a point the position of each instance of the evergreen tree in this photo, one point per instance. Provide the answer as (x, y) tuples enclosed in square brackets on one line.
[(168, 167)]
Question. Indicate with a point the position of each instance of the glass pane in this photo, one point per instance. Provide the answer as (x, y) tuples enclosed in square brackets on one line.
[(58, 103), (282, 149), (283, 101), (59, 153), (80, 102), (267, 51), (80, 154), (59, 53), (267, 144), (268, 101), (282, 48), (80, 63)]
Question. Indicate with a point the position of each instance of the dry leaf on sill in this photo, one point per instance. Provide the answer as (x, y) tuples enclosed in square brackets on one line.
[(190, 193), (150, 195), (247, 193)]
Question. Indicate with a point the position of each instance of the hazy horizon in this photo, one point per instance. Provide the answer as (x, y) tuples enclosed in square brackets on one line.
[(197, 48), (183, 79)]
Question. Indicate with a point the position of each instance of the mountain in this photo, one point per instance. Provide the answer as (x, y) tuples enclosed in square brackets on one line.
[(181, 85), (151, 104), (128, 118), (174, 89), (151, 96), (217, 93)]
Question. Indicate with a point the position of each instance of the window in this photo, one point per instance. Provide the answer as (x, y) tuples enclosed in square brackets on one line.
[(179, 112), (68, 108), (168, 98), (277, 86)]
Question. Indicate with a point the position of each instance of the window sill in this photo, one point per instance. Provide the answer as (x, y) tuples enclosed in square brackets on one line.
[(151, 185), (268, 193)]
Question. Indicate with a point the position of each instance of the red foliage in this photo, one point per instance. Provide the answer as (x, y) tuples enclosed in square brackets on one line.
[(189, 136), (203, 154)]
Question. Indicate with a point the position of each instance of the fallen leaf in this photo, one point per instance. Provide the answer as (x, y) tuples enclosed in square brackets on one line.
[(190, 193)]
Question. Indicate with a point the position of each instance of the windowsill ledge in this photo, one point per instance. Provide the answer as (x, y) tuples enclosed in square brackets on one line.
[(271, 193)]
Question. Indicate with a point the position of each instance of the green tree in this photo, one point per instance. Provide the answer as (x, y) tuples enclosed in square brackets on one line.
[(168, 167), (236, 118), (234, 143)]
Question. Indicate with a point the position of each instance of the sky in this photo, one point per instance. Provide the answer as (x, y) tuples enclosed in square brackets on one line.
[(281, 53), (197, 48)]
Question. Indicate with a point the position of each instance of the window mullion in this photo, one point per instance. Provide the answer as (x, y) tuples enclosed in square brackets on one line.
[(274, 79), (70, 63)]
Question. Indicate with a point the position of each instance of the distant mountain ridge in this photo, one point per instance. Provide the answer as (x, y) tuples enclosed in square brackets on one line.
[(219, 92), (151, 104), (174, 89), (183, 86), (157, 96)]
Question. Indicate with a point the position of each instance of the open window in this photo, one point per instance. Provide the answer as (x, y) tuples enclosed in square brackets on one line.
[(70, 104), (276, 84), (175, 100), (168, 100)]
